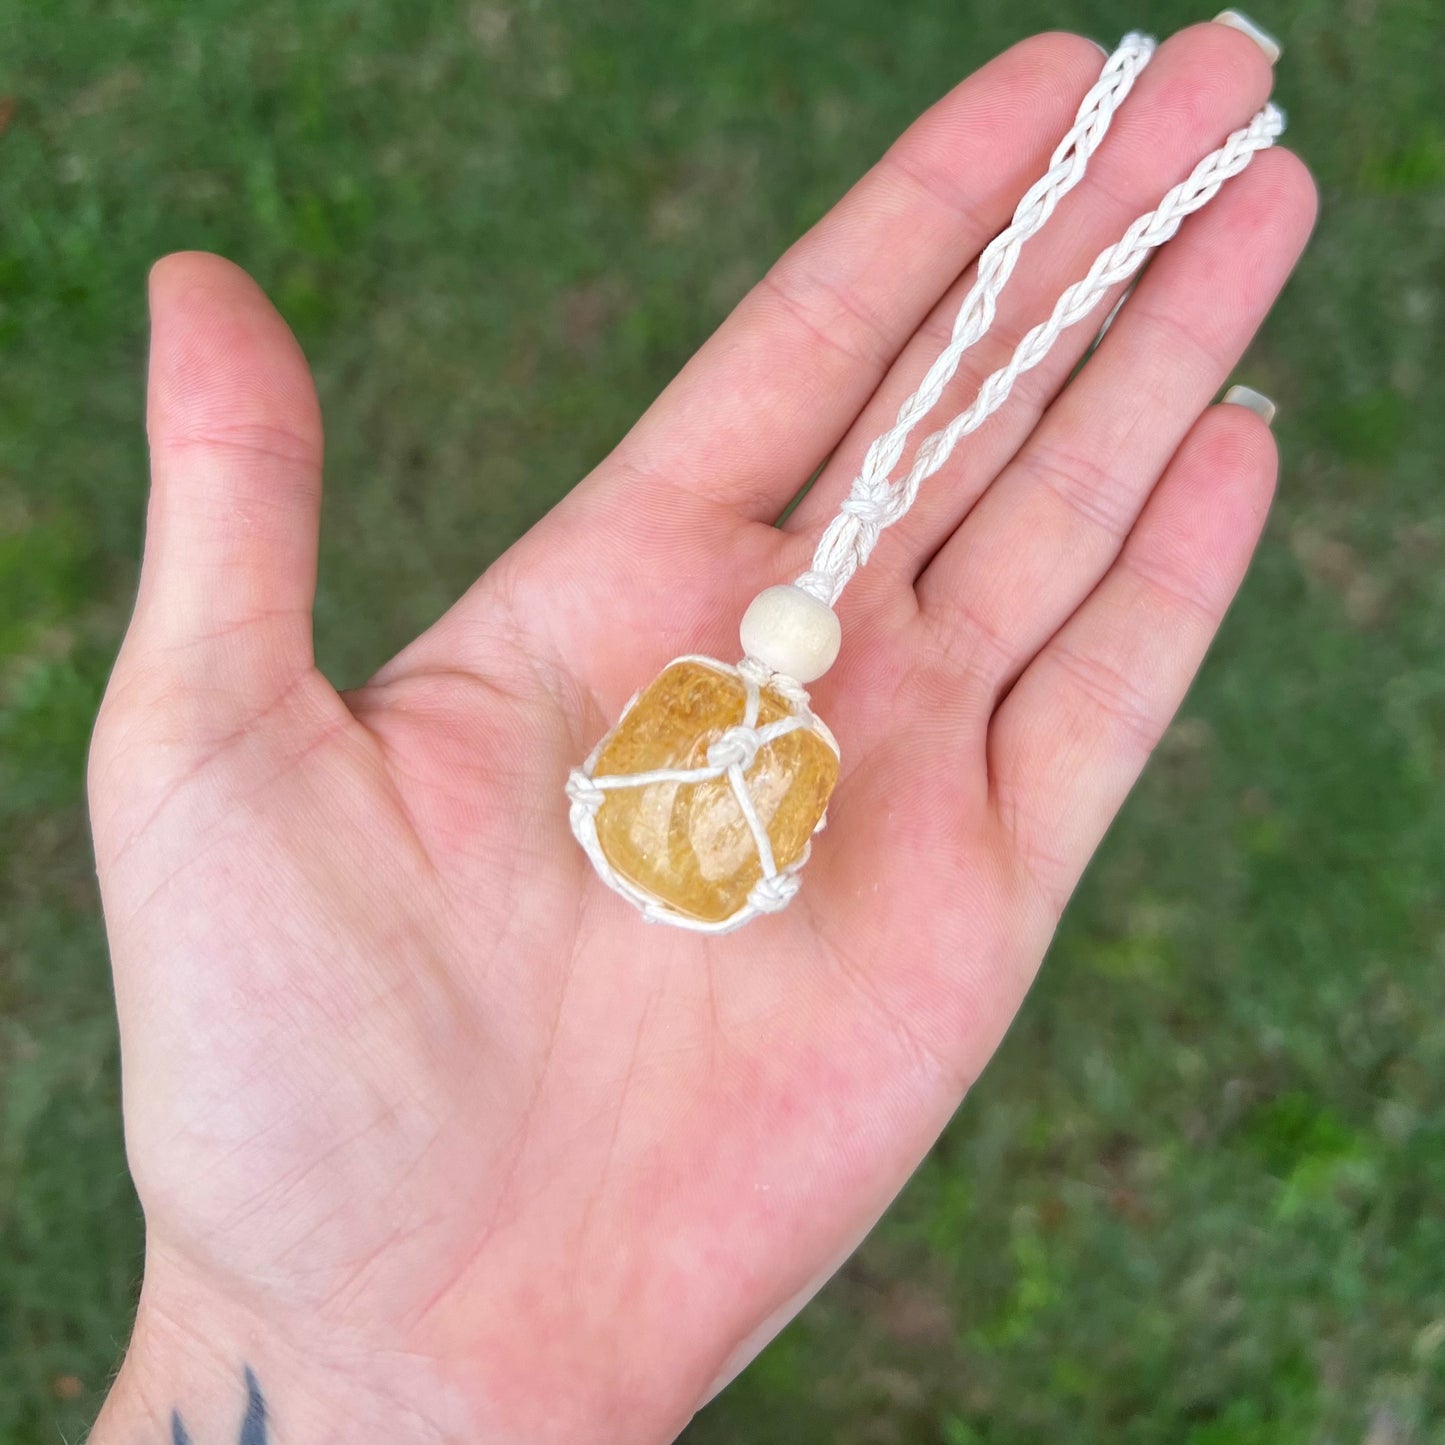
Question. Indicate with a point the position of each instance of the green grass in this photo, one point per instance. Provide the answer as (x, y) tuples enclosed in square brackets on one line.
[(1198, 1197)]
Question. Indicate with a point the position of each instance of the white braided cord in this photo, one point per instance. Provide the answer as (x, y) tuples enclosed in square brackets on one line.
[(875, 503)]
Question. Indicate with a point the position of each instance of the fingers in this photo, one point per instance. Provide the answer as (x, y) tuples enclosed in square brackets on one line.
[(229, 573), (1051, 525), (749, 419), (1204, 82), (1071, 738)]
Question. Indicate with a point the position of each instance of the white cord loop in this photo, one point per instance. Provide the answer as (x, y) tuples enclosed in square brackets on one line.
[(874, 502), (736, 748)]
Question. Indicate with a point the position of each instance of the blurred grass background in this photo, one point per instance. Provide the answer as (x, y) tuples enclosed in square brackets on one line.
[(1199, 1196)]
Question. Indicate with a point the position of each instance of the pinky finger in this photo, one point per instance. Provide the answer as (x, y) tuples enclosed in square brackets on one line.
[(1073, 735)]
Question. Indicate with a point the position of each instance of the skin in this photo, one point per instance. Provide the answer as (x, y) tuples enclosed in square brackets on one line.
[(431, 1131)]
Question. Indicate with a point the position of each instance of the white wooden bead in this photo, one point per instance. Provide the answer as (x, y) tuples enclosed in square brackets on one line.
[(792, 632)]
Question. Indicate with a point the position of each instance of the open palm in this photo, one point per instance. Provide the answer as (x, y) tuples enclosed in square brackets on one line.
[(432, 1130)]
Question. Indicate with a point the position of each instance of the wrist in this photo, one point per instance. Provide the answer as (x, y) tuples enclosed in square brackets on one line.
[(204, 1369)]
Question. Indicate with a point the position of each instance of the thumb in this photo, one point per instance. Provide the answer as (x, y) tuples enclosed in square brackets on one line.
[(229, 574)]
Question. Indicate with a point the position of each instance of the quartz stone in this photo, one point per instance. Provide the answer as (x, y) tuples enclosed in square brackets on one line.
[(688, 844)]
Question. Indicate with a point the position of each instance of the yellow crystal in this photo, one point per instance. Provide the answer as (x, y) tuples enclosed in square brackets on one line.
[(688, 844)]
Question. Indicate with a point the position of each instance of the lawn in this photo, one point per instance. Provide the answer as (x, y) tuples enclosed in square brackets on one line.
[(1200, 1196)]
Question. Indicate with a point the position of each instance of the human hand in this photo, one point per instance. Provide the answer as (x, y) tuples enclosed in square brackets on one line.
[(431, 1131)]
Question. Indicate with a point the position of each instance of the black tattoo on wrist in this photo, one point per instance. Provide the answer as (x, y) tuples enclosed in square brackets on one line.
[(253, 1424)]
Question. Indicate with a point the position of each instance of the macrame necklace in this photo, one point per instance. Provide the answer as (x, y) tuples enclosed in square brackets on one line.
[(700, 805)]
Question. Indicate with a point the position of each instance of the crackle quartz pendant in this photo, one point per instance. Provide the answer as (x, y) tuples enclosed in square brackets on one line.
[(700, 804)]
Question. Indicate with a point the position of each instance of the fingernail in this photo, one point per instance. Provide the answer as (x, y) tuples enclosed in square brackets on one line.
[(1237, 20), (1251, 400), (1100, 47)]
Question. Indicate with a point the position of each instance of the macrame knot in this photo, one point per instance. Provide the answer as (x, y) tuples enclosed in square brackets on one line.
[(737, 747), (581, 789), (755, 672), (871, 507), (761, 675), (772, 895), (868, 501)]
